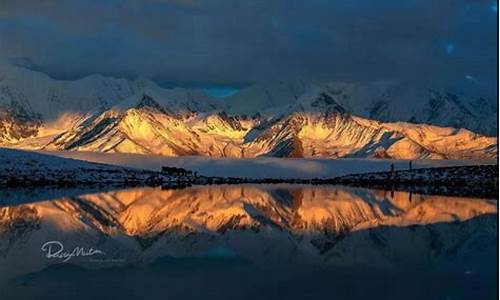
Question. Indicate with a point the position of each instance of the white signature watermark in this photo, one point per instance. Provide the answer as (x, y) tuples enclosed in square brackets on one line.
[(55, 249)]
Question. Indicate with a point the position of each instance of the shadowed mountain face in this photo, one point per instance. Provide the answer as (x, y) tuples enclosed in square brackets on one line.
[(261, 225)]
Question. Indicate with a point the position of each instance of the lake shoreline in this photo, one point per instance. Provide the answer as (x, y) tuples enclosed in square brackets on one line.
[(478, 181)]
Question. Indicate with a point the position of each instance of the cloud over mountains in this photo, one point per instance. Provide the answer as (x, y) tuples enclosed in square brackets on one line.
[(240, 42)]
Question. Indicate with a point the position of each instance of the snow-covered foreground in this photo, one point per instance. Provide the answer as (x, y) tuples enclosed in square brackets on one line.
[(263, 167), (21, 172), (240, 241)]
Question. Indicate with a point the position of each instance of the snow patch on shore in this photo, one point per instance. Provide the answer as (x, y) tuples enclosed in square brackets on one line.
[(262, 167)]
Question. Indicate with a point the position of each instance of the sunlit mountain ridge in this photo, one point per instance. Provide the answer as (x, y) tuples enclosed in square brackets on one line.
[(105, 114), (319, 128)]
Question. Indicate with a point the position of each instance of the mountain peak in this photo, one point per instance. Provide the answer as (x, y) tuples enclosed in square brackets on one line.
[(144, 100), (326, 101), (319, 100), (148, 102)]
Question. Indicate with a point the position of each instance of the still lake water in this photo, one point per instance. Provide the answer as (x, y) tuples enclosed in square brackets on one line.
[(249, 242)]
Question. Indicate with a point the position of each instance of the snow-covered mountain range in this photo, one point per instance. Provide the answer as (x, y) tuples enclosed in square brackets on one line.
[(333, 120), (387, 101)]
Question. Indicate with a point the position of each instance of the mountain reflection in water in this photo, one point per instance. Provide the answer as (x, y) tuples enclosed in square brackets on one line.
[(314, 240)]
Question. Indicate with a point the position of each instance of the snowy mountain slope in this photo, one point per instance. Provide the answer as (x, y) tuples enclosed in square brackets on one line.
[(384, 101), (28, 98), (50, 98), (332, 120), (265, 224), (317, 127), (30, 170), (147, 128), (17, 120)]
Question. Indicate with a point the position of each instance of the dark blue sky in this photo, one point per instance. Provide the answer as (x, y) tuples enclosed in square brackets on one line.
[(233, 43)]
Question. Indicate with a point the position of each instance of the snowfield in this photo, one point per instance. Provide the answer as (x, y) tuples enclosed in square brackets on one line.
[(262, 167), (23, 169)]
